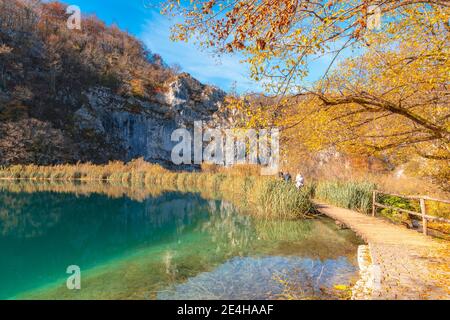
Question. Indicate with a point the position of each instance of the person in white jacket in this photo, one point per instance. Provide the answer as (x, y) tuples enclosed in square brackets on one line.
[(299, 181)]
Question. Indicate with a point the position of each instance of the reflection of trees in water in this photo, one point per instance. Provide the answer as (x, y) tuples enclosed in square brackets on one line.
[(54, 230), (23, 216), (94, 225), (231, 232), (88, 227), (30, 208), (112, 189)]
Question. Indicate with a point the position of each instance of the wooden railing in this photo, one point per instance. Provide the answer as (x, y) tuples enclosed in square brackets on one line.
[(423, 209)]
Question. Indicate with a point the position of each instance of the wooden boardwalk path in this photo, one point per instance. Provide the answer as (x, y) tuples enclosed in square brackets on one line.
[(409, 265)]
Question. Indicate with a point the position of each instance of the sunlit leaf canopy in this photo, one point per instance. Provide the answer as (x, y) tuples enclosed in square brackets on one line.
[(384, 92), (280, 37)]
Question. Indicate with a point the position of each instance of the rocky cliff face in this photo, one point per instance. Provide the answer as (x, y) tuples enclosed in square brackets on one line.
[(95, 95), (100, 125), (142, 128)]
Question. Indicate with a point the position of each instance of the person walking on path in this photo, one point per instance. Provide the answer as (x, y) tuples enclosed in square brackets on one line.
[(299, 181)]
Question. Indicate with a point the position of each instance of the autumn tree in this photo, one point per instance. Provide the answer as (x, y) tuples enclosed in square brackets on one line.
[(385, 90), (280, 36)]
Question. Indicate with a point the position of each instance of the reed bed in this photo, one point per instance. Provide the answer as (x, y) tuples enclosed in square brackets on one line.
[(259, 195), (355, 195)]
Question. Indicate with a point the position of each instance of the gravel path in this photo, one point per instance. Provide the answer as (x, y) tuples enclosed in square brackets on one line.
[(410, 264)]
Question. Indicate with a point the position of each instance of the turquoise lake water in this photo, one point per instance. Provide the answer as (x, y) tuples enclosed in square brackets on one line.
[(168, 246)]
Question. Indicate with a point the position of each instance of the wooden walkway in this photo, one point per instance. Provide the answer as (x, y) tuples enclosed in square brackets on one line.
[(409, 264)]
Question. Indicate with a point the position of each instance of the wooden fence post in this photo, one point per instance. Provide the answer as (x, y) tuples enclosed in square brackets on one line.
[(424, 212), (374, 199)]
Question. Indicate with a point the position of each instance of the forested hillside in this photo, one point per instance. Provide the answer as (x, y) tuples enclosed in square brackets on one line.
[(45, 70)]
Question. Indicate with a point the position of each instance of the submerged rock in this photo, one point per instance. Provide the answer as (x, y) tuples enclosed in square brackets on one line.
[(264, 278)]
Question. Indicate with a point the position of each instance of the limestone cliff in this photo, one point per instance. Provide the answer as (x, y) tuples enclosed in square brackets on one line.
[(95, 94), (143, 128), (100, 125)]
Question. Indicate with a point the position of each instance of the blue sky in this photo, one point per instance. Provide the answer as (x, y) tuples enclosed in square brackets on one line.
[(144, 21)]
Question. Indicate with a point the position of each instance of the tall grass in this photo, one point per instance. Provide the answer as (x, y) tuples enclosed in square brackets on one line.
[(262, 196), (353, 195), (284, 198)]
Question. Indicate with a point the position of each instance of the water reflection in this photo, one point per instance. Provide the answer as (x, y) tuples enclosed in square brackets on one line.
[(161, 245), (231, 233), (42, 233)]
